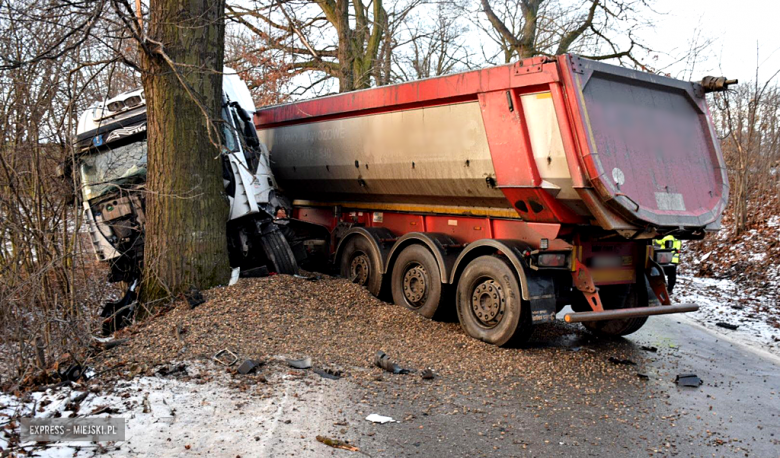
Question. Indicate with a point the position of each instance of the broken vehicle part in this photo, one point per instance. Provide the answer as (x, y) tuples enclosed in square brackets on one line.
[(383, 361), (625, 362), (730, 326), (303, 363), (249, 366), (328, 373), (381, 419), (427, 374), (688, 380), (119, 314), (225, 357), (194, 297), (71, 373)]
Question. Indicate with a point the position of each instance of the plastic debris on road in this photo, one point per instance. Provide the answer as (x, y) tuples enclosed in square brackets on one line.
[(382, 360), (381, 419), (303, 363), (688, 380)]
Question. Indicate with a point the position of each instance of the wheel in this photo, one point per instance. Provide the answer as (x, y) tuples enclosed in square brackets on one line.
[(489, 302), (416, 281), (360, 265), (278, 251), (612, 298)]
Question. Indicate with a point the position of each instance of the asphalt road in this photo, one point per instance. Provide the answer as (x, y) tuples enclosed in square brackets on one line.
[(735, 412)]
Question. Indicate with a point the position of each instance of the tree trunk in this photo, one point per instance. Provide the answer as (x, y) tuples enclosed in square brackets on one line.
[(186, 210)]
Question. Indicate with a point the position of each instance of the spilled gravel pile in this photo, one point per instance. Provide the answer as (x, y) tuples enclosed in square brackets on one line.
[(338, 323)]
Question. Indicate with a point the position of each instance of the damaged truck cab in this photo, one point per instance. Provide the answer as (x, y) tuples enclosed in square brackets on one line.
[(110, 167), (520, 189)]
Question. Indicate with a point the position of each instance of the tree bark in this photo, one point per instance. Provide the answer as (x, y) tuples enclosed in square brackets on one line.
[(186, 209)]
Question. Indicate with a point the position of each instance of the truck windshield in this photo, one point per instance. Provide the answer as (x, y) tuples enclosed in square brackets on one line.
[(103, 170)]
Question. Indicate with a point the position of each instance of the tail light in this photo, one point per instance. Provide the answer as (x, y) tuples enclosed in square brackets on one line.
[(550, 260)]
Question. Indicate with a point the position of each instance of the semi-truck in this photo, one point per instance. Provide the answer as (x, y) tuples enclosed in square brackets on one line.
[(507, 193)]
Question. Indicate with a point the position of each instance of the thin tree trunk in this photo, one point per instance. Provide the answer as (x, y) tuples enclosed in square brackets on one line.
[(186, 211)]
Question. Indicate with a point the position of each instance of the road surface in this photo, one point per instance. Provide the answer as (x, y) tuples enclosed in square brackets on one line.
[(735, 412)]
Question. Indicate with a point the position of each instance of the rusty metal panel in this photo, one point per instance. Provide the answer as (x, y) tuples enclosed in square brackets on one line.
[(432, 155)]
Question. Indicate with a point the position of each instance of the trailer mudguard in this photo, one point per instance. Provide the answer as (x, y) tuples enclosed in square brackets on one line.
[(441, 245), (376, 236), (537, 288)]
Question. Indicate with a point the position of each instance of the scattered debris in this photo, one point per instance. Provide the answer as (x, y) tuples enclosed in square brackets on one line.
[(575, 349), (309, 278), (104, 409), (119, 314), (721, 324), (328, 373), (427, 374), (688, 380), (256, 272), (626, 362), (335, 443), (650, 349), (249, 366), (225, 357), (194, 297), (175, 370), (643, 376), (382, 360), (234, 274), (71, 373), (303, 363), (381, 419)]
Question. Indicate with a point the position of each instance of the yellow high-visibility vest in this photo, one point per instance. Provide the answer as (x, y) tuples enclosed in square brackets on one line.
[(676, 246)]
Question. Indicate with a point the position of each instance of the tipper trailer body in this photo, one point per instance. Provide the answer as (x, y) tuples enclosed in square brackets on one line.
[(521, 189)]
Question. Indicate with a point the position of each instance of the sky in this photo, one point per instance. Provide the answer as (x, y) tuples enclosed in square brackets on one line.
[(737, 28)]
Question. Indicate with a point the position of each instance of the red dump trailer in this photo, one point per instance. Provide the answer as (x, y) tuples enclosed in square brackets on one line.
[(519, 189)]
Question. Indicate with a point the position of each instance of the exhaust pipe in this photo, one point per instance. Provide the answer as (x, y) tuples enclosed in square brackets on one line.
[(581, 317)]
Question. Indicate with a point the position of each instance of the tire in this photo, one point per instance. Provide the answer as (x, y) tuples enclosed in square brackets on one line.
[(359, 264), (416, 281), (613, 298), (489, 303), (278, 252)]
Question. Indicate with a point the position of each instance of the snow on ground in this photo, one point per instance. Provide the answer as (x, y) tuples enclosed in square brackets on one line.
[(168, 417), (724, 301)]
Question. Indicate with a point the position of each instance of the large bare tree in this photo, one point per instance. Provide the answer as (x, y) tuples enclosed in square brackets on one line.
[(597, 29), (343, 39), (186, 211)]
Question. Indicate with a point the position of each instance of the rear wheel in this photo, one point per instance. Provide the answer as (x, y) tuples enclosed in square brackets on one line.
[(613, 298), (489, 303), (416, 281), (278, 252), (360, 265)]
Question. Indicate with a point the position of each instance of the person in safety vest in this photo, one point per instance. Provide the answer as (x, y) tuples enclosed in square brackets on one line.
[(669, 264)]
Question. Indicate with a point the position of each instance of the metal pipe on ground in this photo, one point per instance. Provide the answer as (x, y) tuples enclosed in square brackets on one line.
[(580, 317)]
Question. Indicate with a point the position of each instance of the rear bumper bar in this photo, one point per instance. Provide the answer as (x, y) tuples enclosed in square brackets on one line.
[(579, 317)]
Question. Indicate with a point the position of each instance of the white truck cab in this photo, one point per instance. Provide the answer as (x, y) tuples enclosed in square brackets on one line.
[(110, 158)]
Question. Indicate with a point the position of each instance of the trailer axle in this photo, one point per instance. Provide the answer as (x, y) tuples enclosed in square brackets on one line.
[(580, 317)]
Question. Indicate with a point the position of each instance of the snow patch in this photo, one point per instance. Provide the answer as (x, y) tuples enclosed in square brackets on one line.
[(722, 300)]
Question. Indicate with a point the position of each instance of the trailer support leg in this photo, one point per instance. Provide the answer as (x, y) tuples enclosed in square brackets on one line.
[(583, 281), (655, 275)]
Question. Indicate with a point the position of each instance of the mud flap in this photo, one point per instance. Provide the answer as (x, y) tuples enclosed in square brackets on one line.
[(541, 295)]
